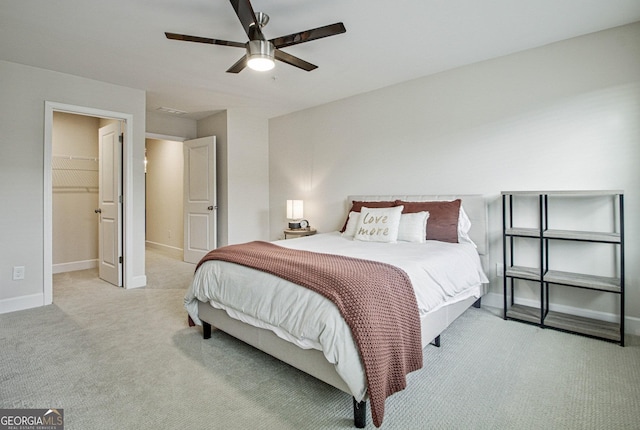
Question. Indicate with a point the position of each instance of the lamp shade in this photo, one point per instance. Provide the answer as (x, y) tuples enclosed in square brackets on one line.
[(294, 209)]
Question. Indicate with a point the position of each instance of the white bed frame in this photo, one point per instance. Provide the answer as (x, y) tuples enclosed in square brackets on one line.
[(313, 361)]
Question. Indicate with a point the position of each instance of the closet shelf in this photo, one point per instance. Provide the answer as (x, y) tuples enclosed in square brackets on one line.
[(74, 173)]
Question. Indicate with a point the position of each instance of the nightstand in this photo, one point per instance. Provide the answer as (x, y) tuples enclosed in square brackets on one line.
[(299, 233)]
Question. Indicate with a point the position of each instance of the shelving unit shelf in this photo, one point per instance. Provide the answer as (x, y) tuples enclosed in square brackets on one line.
[(543, 276)]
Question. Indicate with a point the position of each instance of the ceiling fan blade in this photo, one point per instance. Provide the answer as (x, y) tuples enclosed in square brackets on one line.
[(248, 19), (238, 66), (294, 61), (187, 38), (309, 35)]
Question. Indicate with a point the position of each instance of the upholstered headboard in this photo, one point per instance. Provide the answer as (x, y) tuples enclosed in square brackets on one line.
[(474, 205)]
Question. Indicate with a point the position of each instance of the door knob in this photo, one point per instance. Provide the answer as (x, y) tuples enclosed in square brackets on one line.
[(210, 208), (98, 211)]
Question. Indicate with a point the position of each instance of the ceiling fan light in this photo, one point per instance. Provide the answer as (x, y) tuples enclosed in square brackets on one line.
[(260, 63), (260, 55)]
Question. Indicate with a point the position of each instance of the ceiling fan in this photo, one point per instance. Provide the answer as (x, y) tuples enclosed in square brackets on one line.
[(260, 52)]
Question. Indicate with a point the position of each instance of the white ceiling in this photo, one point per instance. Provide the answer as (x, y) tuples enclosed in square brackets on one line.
[(387, 42)]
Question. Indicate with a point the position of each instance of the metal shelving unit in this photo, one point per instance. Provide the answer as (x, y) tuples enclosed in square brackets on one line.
[(546, 279)]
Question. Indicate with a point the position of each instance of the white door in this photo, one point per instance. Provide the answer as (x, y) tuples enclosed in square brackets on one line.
[(110, 204), (199, 198)]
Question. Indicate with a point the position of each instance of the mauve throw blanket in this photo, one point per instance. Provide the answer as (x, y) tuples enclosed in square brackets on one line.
[(376, 300)]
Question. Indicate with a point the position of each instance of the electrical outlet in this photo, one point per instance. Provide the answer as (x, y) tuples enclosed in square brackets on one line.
[(499, 269), (169, 234), (18, 273)]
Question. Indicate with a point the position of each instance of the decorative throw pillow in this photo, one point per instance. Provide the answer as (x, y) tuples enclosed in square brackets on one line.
[(357, 205), (378, 224), (413, 226), (443, 218), (352, 224)]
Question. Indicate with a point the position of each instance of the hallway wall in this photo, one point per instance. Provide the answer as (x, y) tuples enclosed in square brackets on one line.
[(164, 194)]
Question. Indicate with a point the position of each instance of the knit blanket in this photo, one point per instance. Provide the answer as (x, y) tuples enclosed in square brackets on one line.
[(376, 300)]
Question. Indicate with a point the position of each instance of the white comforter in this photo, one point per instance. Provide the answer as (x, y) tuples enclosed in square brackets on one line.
[(441, 273)]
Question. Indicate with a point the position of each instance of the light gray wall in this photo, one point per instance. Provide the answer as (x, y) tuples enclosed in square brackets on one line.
[(170, 125), (563, 116), (248, 176), (243, 174), (24, 91)]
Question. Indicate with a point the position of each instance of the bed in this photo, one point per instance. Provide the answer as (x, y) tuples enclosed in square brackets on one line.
[(326, 349)]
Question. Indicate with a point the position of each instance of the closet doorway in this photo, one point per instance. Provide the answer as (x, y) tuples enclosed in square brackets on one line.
[(86, 188), (124, 163)]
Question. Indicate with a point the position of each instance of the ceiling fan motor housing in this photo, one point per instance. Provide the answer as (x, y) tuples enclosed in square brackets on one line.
[(260, 54)]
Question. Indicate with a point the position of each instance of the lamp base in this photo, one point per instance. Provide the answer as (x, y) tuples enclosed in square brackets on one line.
[(295, 225)]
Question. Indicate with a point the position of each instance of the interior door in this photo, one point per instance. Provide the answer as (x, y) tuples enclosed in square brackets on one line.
[(110, 204), (199, 198)]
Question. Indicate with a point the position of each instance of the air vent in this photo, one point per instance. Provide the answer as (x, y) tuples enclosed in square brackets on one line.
[(171, 111)]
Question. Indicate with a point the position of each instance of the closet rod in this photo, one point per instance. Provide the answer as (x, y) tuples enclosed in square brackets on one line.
[(76, 157)]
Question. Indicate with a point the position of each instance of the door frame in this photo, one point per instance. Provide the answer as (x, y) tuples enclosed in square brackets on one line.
[(127, 190)]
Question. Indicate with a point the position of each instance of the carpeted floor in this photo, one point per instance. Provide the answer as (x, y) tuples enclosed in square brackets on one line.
[(126, 359), (165, 269)]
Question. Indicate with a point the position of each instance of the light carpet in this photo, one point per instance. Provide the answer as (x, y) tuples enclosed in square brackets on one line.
[(126, 359)]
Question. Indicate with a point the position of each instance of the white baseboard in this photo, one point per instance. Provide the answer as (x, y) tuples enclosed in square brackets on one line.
[(137, 282), (21, 303), (492, 300), (177, 252), (74, 265), (632, 324)]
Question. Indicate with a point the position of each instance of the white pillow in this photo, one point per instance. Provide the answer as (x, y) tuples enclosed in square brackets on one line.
[(464, 225), (352, 224), (413, 227), (379, 224)]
